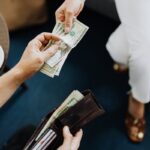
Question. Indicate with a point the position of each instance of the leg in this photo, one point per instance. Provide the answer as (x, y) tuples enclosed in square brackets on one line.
[(134, 15), (118, 48), (139, 74)]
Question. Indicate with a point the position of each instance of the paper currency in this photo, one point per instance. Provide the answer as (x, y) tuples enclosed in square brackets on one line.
[(70, 101), (68, 41)]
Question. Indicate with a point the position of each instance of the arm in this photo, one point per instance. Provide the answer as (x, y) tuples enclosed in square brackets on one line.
[(69, 10), (31, 61), (9, 82)]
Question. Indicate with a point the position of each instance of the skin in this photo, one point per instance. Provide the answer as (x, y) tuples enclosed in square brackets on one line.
[(31, 61), (71, 142), (66, 13), (69, 10)]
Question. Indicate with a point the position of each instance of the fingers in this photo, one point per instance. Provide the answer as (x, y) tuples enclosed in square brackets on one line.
[(45, 37), (67, 139), (76, 140), (60, 15), (70, 142), (69, 17), (64, 15), (79, 135), (50, 52)]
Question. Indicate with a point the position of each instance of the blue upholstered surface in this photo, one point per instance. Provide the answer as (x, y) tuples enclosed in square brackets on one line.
[(88, 66)]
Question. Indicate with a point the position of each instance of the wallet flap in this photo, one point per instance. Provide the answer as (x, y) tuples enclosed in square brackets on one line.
[(83, 112), (37, 131), (75, 117)]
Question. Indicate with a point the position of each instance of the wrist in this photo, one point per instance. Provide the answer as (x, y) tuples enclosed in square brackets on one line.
[(19, 74)]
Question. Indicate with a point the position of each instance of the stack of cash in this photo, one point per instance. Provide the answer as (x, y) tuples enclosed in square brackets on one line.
[(69, 102), (68, 41)]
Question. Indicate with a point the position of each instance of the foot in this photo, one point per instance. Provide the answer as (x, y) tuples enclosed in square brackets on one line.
[(120, 68), (135, 122)]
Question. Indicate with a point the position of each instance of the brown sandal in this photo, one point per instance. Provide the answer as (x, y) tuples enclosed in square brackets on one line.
[(135, 128), (120, 68)]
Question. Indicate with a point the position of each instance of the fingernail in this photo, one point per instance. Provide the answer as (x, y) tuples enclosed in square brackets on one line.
[(66, 129), (81, 131), (67, 29)]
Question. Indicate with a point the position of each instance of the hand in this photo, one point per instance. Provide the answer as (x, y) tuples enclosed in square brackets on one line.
[(67, 11), (33, 57), (70, 142)]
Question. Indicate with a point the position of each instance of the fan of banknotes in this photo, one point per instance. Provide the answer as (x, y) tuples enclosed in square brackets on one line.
[(68, 41), (70, 101)]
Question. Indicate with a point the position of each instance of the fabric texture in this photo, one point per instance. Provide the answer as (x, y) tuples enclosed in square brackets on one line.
[(129, 45), (106, 7)]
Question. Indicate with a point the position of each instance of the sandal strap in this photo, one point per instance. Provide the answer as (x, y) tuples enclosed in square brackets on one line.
[(132, 122), (136, 121)]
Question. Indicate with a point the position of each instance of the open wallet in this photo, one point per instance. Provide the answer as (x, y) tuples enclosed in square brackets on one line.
[(76, 111)]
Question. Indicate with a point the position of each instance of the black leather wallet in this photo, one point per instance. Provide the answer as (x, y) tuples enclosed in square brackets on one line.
[(76, 117)]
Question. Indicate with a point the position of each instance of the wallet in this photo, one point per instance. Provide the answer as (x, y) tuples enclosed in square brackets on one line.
[(75, 118)]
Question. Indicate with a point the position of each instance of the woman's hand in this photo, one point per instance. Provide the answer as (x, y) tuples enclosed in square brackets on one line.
[(68, 11), (71, 142)]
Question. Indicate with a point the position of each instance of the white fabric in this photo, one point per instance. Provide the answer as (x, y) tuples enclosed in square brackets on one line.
[(1, 56), (130, 45), (118, 46)]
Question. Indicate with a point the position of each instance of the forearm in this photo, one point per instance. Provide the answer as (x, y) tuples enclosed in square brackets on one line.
[(9, 82), (31, 61)]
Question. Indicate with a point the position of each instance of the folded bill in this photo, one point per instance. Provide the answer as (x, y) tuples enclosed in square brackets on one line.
[(70, 101), (68, 41)]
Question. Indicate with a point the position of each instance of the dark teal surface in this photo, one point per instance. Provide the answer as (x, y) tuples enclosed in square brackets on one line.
[(88, 66)]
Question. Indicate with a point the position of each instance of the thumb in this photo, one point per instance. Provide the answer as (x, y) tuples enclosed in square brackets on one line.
[(76, 140), (67, 138), (69, 17), (50, 52)]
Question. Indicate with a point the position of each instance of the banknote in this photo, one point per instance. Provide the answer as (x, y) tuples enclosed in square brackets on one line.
[(70, 101), (53, 66), (63, 49), (76, 34)]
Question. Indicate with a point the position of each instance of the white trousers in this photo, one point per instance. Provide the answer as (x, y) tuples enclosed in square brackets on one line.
[(130, 45)]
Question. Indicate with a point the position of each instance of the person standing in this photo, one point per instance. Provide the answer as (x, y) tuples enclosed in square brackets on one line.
[(129, 47)]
